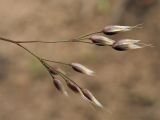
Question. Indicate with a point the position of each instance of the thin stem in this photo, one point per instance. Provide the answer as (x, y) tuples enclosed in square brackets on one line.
[(55, 61), (58, 72), (79, 38), (47, 67), (15, 42), (38, 58), (65, 41), (66, 78)]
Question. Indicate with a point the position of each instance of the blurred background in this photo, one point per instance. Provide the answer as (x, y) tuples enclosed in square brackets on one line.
[(126, 83)]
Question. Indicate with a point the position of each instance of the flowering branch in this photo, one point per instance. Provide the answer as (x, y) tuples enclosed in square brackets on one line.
[(93, 39), (52, 71)]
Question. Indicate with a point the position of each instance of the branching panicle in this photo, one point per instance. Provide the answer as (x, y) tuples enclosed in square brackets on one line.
[(93, 39)]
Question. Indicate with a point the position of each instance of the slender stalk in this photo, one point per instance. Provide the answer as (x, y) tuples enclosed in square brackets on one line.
[(79, 38), (38, 58), (15, 42), (55, 62), (47, 67), (62, 75), (66, 41), (66, 78)]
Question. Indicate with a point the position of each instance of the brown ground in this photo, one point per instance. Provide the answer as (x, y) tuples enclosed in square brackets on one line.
[(127, 83)]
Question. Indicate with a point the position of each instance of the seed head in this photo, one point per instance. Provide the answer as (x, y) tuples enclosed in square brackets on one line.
[(73, 86), (114, 29), (101, 40), (81, 69), (87, 95), (126, 44), (60, 87), (55, 70)]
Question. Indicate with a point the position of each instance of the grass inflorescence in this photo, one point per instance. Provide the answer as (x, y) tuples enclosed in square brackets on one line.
[(96, 38)]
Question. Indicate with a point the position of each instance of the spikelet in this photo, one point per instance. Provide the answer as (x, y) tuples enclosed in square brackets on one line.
[(87, 95), (101, 40), (55, 70), (126, 44), (73, 86), (59, 86), (114, 29), (82, 69)]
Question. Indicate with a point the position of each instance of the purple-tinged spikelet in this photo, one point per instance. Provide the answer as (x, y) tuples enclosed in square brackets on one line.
[(81, 69), (101, 40), (73, 86), (59, 86), (87, 95), (114, 29), (126, 44)]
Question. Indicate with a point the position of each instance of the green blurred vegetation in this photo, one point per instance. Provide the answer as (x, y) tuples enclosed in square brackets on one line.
[(103, 5)]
